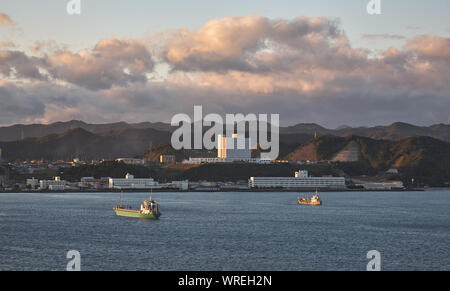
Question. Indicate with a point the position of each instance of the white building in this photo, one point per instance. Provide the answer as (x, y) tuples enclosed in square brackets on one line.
[(388, 185), (54, 185), (233, 148), (203, 160), (229, 150), (299, 181), (181, 185), (132, 183), (392, 171), (33, 183), (131, 161), (221, 160)]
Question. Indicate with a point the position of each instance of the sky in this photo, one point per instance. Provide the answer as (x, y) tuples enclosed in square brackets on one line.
[(323, 61)]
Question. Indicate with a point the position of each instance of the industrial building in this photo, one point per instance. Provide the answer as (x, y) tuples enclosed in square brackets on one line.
[(301, 180), (234, 148), (53, 185), (129, 182), (131, 161), (386, 185), (167, 159), (229, 149)]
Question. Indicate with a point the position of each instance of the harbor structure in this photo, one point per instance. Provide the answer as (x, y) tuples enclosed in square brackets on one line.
[(53, 185), (301, 180), (130, 182)]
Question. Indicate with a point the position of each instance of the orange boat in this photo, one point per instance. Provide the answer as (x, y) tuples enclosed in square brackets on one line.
[(315, 200)]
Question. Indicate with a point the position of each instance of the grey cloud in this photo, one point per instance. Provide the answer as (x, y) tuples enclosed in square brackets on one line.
[(112, 62), (18, 64), (384, 36), (304, 69), (17, 105)]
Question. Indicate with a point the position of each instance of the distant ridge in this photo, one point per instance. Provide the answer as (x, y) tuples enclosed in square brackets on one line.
[(21, 131), (395, 131), (80, 143)]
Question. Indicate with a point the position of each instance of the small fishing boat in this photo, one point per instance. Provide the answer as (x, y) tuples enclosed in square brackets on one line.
[(315, 200)]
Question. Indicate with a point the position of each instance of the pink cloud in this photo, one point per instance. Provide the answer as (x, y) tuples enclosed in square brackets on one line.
[(6, 20), (111, 62), (305, 69)]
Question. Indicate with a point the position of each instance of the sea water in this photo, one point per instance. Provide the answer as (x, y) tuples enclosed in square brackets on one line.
[(227, 231)]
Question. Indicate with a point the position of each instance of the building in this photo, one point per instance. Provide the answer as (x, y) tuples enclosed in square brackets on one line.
[(167, 159), (131, 161), (301, 180), (181, 185), (33, 183), (53, 185), (222, 160), (129, 182), (229, 150), (388, 185), (93, 183), (203, 160), (392, 171), (233, 148)]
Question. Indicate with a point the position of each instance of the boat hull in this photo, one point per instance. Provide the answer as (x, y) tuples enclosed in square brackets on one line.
[(308, 202), (135, 214)]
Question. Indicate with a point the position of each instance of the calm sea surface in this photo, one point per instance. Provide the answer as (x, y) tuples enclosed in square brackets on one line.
[(227, 231)]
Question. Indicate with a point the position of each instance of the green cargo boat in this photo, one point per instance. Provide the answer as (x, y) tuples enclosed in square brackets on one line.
[(149, 210)]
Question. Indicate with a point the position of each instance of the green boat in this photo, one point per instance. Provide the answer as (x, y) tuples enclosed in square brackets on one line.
[(149, 210)]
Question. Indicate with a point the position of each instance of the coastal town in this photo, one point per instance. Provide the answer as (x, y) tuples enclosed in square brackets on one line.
[(231, 151)]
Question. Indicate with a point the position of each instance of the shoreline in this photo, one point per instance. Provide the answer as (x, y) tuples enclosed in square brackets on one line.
[(224, 190)]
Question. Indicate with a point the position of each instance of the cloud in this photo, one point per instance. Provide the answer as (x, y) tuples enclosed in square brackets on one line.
[(7, 44), (17, 105), (305, 69), (431, 46), (17, 64), (6, 20), (112, 62), (240, 43), (384, 36)]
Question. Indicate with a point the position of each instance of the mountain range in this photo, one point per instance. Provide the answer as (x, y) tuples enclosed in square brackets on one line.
[(66, 140), (394, 131), (85, 145)]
